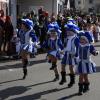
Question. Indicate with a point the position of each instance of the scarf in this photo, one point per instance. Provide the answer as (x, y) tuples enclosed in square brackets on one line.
[(69, 43)]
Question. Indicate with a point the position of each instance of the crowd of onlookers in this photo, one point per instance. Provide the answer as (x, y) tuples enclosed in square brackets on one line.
[(6, 33), (40, 26)]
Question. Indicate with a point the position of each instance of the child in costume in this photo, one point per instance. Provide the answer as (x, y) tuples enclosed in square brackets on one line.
[(72, 43), (85, 65), (54, 47), (27, 37), (55, 26)]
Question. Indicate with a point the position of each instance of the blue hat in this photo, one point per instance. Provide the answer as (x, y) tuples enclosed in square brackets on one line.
[(71, 20), (28, 22), (50, 26), (71, 27), (53, 31), (55, 27), (80, 33), (86, 35)]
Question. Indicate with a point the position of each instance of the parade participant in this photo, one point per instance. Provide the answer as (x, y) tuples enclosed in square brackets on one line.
[(88, 29), (70, 19), (70, 55), (85, 65), (55, 26), (54, 46), (27, 37)]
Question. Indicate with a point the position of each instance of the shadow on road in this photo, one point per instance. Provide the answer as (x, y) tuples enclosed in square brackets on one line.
[(39, 94), (69, 97), (98, 69), (19, 65), (11, 81), (17, 90), (40, 84)]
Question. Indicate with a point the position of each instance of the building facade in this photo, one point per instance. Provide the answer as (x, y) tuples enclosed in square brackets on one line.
[(17, 7), (72, 3), (52, 6), (88, 5)]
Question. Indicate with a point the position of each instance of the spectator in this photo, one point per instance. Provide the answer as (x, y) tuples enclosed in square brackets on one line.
[(8, 33), (1, 29)]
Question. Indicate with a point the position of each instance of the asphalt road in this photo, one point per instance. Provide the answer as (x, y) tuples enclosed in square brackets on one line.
[(39, 86)]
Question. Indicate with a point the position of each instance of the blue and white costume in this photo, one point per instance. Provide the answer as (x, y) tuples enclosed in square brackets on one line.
[(72, 43), (70, 25), (70, 51), (88, 33), (28, 38), (54, 25), (85, 65), (71, 20), (54, 47)]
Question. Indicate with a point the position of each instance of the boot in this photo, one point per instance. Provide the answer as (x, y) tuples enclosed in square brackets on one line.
[(63, 78), (80, 88), (25, 68), (53, 66), (86, 87), (56, 78), (25, 72), (72, 80)]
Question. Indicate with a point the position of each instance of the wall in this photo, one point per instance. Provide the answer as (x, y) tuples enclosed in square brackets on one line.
[(84, 6), (80, 6), (25, 5)]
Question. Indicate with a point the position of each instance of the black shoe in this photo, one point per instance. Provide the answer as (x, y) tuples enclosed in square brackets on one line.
[(51, 68), (63, 80), (25, 72), (56, 78), (70, 84), (80, 92), (24, 77), (72, 80), (86, 87)]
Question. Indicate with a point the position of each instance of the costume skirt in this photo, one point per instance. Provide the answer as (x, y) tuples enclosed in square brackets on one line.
[(56, 54), (68, 59), (29, 48), (85, 67)]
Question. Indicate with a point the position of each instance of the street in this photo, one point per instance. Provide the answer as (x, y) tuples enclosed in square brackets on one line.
[(39, 86)]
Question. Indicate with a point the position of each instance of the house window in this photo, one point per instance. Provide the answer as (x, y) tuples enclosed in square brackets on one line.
[(90, 9), (79, 2), (91, 1)]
